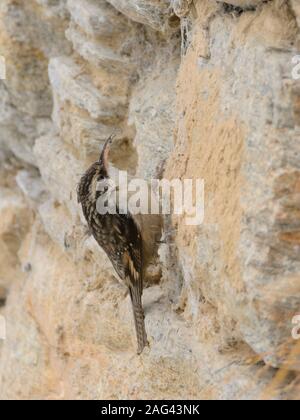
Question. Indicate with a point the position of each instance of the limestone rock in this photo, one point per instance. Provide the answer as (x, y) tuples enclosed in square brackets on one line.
[(154, 13), (54, 158), (296, 8), (181, 7), (71, 86), (28, 37), (256, 258), (243, 3), (15, 222), (97, 54), (97, 18), (225, 109), (31, 185)]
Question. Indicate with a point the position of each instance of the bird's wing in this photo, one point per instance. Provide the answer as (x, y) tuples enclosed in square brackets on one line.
[(132, 250)]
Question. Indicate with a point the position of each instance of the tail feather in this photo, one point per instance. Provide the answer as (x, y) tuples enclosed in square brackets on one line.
[(139, 319)]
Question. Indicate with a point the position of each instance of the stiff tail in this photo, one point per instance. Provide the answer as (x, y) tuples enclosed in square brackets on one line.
[(139, 319)]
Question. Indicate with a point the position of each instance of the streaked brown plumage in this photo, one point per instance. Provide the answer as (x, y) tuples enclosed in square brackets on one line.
[(119, 236)]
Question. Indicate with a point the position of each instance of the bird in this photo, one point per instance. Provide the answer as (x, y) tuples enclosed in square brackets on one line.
[(119, 235)]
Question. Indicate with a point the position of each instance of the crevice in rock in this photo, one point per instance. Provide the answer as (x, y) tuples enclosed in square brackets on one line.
[(3, 296), (236, 11), (186, 31)]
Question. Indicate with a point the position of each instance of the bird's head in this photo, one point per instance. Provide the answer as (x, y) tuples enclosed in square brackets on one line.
[(103, 160), (96, 179)]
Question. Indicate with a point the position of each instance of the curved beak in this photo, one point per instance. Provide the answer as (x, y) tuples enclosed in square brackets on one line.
[(105, 151)]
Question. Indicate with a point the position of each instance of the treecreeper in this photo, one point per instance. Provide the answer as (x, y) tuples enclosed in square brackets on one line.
[(128, 240)]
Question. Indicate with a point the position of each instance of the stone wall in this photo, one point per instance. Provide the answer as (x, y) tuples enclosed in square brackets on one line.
[(197, 89)]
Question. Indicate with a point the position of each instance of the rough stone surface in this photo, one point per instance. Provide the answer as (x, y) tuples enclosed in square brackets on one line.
[(257, 258), (296, 8), (244, 3), (154, 13), (215, 101)]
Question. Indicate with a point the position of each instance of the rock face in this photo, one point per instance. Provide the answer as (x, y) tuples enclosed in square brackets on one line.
[(193, 89)]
